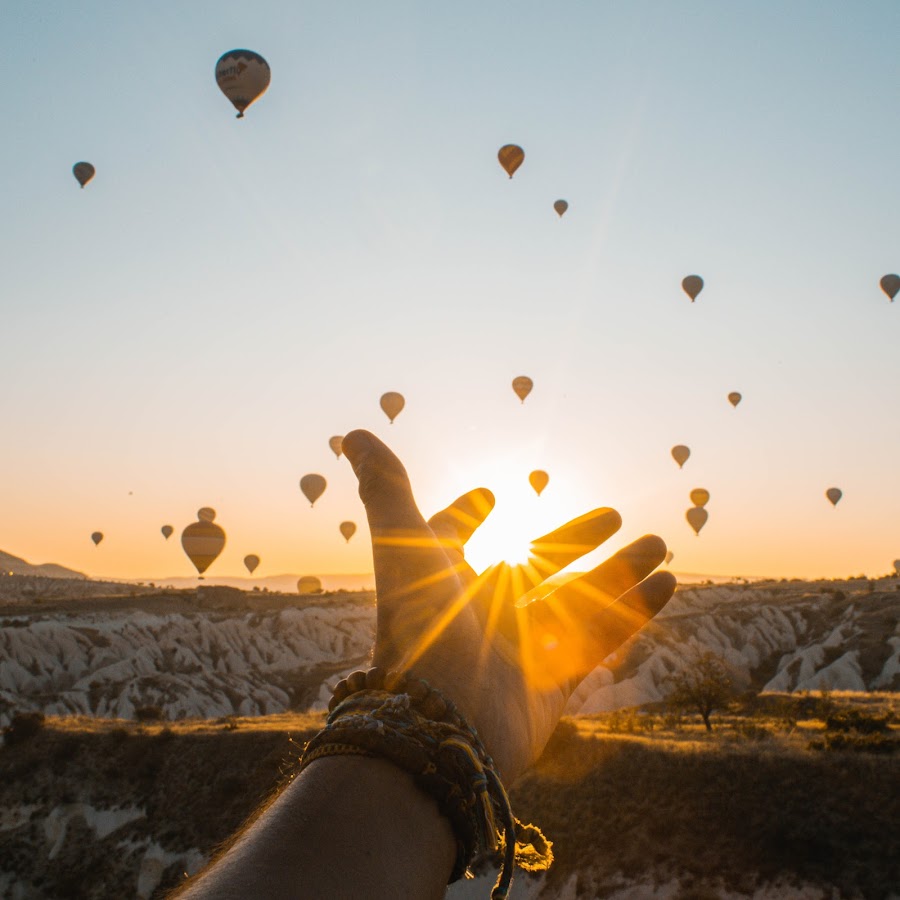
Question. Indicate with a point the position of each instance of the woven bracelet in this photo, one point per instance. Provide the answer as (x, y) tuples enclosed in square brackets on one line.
[(406, 721)]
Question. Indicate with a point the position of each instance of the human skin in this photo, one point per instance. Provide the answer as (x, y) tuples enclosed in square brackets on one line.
[(354, 827)]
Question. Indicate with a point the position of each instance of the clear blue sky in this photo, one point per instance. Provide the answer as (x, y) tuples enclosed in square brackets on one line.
[(225, 295)]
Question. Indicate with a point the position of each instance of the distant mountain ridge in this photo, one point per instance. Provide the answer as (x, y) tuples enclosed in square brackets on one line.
[(14, 565)]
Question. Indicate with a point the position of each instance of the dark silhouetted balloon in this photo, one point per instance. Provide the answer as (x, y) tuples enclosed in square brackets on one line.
[(897, 566), (251, 561), (83, 172), (692, 286), (313, 486), (242, 76), (348, 529), (680, 454), (392, 403), (206, 514), (697, 517), (309, 584), (511, 157), (202, 541), (834, 494), (734, 398), (336, 443), (167, 531), (699, 496), (890, 284), (539, 479), (96, 537), (560, 206), (522, 385)]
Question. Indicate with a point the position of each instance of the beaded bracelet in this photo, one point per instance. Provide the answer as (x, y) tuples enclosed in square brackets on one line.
[(406, 721)]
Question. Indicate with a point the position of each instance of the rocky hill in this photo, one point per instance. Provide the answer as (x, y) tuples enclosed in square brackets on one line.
[(13, 565)]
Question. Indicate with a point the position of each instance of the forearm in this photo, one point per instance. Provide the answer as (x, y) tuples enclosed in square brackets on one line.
[(346, 827)]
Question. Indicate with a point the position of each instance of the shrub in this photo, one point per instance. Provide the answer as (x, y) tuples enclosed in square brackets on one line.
[(859, 721), (22, 727), (148, 713)]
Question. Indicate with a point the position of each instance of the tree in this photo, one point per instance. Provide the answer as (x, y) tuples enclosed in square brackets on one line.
[(703, 685)]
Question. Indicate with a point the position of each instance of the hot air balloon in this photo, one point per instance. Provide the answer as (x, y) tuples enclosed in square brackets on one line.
[(692, 286), (522, 385), (392, 403), (897, 566), (680, 454), (337, 445), (348, 529), (834, 494), (697, 517), (243, 77), (538, 479), (699, 496), (96, 537), (167, 531), (734, 398), (890, 284), (251, 562), (560, 206), (511, 157), (313, 486), (203, 541), (206, 514), (669, 556), (83, 172), (309, 584)]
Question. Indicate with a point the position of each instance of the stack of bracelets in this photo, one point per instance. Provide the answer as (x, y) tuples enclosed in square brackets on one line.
[(406, 721)]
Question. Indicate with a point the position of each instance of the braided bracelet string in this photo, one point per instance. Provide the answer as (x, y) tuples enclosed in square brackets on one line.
[(406, 721)]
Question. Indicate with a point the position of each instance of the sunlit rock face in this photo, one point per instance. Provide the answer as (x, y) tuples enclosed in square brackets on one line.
[(774, 636)]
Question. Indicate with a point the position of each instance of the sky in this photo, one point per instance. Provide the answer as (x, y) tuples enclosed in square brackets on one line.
[(226, 294)]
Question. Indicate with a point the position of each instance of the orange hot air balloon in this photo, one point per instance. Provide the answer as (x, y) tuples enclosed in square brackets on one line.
[(96, 537), (83, 172), (313, 486), (309, 584), (251, 561), (560, 206), (890, 284), (697, 517), (680, 454), (243, 77), (834, 494), (206, 514), (348, 529), (692, 285), (392, 403), (167, 531), (522, 386), (699, 496), (511, 156), (337, 445), (734, 398), (539, 479), (202, 541)]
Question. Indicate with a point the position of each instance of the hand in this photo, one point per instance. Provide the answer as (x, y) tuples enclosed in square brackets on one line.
[(506, 653)]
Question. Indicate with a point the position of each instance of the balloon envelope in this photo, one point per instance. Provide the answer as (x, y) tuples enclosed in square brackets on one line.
[(834, 494), (890, 284), (522, 385), (309, 584), (560, 206), (392, 403), (313, 486), (897, 566), (680, 454), (251, 561), (348, 529), (337, 445), (243, 77), (96, 537), (692, 285), (511, 157), (669, 556), (697, 517), (202, 542), (84, 172), (167, 531), (206, 514), (538, 479), (699, 496), (734, 398)]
